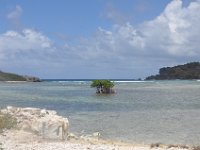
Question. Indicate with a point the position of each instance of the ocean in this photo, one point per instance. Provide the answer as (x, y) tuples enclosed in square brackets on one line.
[(141, 112)]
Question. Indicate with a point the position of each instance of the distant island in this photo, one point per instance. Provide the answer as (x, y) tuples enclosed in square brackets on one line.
[(4, 76), (187, 71)]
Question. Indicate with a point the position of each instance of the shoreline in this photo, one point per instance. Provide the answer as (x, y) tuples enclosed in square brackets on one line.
[(20, 140), (30, 133)]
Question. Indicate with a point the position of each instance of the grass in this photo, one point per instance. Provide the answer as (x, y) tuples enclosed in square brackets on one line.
[(7, 122), (1, 146)]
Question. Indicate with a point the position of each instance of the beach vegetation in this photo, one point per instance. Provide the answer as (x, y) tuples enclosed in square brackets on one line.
[(7, 122), (1, 146), (103, 86)]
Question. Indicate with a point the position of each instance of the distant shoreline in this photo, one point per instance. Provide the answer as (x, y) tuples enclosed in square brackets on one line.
[(15, 81)]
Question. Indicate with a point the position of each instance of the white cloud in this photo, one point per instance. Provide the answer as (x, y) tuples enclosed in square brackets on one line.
[(14, 17), (16, 13), (28, 45), (175, 29), (172, 37), (123, 51), (174, 33), (27, 40), (114, 15)]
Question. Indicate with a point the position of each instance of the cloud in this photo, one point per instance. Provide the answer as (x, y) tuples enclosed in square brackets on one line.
[(142, 6), (176, 31), (112, 14), (26, 41), (28, 48), (15, 15), (124, 51), (172, 37)]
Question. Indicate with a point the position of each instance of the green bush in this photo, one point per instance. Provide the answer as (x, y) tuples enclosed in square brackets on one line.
[(103, 86), (7, 121), (1, 146)]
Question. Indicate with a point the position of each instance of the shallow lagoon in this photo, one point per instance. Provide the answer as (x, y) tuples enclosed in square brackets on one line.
[(140, 112)]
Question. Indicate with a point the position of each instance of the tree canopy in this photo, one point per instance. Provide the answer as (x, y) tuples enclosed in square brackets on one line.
[(103, 86)]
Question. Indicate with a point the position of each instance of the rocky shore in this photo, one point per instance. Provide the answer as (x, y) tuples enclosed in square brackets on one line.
[(40, 129)]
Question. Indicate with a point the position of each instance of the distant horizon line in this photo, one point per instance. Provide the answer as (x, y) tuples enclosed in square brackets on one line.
[(87, 79)]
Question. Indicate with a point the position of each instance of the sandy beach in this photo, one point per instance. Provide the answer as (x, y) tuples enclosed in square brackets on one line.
[(20, 140)]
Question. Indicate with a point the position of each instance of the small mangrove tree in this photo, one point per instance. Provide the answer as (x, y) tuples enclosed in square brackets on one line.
[(103, 86)]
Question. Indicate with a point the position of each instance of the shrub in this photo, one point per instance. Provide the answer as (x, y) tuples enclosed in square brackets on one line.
[(103, 86), (7, 121), (1, 146)]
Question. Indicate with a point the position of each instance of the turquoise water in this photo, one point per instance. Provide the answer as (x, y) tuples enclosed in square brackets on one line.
[(140, 112)]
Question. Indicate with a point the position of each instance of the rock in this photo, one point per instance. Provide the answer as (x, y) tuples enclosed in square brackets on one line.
[(96, 134), (91, 137), (40, 121), (32, 79)]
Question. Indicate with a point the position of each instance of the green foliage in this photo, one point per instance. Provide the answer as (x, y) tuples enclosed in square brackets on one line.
[(10, 77), (183, 72), (7, 121), (107, 84), (102, 83), (96, 83), (1, 146), (103, 86), (14, 77)]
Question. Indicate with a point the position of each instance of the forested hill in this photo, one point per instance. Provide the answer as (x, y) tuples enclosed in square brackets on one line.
[(4, 76), (187, 71)]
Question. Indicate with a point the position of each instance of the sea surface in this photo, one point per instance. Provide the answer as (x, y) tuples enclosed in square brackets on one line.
[(141, 112)]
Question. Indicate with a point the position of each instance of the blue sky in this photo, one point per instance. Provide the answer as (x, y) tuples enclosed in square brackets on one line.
[(97, 38)]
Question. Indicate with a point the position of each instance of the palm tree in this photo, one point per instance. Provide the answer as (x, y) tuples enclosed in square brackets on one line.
[(103, 86)]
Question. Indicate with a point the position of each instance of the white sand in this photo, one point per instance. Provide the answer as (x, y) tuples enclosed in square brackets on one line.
[(20, 140)]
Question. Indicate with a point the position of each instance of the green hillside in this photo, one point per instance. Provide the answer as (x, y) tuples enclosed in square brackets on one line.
[(11, 77), (4, 76), (187, 71)]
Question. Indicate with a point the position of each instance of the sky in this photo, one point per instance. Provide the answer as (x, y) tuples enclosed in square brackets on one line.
[(105, 39)]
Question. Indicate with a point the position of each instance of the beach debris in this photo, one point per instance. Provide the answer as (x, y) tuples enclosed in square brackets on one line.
[(96, 134), (155, 145), (72, 136), (91, 137)]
